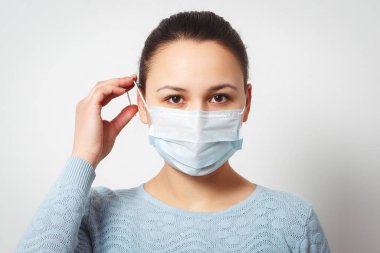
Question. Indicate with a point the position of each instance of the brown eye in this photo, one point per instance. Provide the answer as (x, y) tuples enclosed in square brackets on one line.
[(175, 99), (219, 98)]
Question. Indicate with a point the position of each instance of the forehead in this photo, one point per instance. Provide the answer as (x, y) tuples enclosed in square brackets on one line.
[(185, 62)]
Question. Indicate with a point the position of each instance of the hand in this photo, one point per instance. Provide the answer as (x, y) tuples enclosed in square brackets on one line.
[(94, 137)]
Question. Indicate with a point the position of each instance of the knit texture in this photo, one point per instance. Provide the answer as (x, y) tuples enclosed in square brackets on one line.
[(75, 217)]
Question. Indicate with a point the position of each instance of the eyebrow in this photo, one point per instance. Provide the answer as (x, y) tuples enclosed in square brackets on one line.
[(213, 88)]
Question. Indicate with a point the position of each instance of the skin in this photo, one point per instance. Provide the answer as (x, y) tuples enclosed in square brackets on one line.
[(192, 68), (195, 67)]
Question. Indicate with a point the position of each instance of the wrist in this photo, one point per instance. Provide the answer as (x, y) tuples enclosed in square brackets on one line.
[(88, 158)]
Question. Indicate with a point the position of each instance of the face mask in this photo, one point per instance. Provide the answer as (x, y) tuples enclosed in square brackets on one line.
[(195, 142)]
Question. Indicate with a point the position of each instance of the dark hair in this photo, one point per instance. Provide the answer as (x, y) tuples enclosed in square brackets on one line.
[(192, 25)]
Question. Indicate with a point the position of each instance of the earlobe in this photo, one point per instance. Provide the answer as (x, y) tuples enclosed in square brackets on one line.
[(248, 102)]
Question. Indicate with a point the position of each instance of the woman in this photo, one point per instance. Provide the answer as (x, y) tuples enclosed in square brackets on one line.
[(193, 94)]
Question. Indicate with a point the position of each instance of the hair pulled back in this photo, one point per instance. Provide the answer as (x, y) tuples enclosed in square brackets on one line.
[(192, 25)]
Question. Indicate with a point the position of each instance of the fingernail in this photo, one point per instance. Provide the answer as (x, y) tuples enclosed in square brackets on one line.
[(134, 75)]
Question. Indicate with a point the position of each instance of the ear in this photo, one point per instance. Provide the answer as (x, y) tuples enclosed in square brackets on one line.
[(142, 110), (248, 102)]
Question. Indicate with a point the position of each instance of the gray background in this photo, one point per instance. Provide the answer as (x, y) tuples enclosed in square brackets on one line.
[(313, 128)]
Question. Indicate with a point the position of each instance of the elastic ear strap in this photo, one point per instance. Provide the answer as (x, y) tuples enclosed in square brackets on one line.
[(245, 101), (242, 111), (138, 90)]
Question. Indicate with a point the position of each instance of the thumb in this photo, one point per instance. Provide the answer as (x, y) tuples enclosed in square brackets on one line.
[(124, 117)]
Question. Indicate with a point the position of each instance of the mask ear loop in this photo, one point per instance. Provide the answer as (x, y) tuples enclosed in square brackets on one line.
[(129, 99), (243, 110), (245, 101), (138, 90)]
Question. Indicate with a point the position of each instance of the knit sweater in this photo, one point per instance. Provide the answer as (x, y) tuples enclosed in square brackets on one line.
[(75, 217)]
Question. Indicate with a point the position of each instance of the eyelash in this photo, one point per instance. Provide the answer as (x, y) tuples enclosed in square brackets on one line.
[(168, 98), (223, 95)]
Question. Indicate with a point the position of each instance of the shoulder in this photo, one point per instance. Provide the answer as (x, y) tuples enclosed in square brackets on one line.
[(285, 210), (275, 198), (102, 196), (295, 217)]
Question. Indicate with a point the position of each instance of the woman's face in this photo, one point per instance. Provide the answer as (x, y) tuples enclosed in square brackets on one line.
[(193, 75)]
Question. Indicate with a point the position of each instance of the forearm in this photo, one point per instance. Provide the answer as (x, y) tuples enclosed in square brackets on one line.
[(55, 225)]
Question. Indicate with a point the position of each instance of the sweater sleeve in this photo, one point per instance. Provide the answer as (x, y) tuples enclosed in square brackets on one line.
[(59, 225), (314, 240)]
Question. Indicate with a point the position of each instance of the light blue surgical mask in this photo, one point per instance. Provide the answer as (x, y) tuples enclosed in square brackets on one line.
[(195, 142)]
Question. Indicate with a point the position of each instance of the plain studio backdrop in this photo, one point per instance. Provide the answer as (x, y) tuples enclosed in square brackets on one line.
[(313, 127)]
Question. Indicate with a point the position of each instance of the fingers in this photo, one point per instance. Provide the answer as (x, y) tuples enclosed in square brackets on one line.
[(112, 96), (101, 94), (124, 117), (124, 82), (105, 91)]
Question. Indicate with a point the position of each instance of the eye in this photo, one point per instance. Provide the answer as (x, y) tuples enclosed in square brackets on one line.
[(174, 99), (219, 98)]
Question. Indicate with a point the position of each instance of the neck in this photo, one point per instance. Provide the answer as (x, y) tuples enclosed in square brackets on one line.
[(196, 192)]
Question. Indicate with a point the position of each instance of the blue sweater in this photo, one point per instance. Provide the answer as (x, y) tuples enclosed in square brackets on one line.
[(75, 217)]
